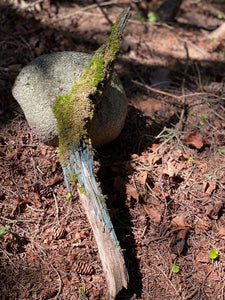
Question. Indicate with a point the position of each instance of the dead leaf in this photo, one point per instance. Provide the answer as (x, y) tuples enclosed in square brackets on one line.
[(170, 170), (131, 191), (221, 231), (209, 186), (125, 188), (178, 244), (179, 222), (154, 215), (180, 225), (182, 234), (213, 209), (195, 139), (213, 276), (203, 256), (142, 178)]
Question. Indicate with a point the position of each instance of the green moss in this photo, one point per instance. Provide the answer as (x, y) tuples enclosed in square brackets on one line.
[(75, 184), (82, 190), (99, 69), (75, 110)]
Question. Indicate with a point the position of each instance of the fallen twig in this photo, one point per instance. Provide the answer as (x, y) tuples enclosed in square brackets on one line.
[(169, 94)]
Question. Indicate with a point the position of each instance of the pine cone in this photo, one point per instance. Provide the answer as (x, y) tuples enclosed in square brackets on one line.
[(83, 268)]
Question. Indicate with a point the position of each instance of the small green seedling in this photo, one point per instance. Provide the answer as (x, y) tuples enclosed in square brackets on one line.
[(82, 292), (68, 196), (201, 122), (204, 116), (190, 159), (221, 151), (213, 253), (4, 229), (210, 177), (175, 269), (191, 113), (138, 17), (152, 17)]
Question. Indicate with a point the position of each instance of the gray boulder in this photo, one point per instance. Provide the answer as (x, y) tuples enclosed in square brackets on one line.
[(51, 75)]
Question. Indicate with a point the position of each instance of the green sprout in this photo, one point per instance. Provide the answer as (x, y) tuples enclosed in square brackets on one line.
[(142, 193), (175, 269), (138, 17), (213, 253), (191, 113), (201, 122), (152, 17), (4, 229), (210, 177), (82, 292), (221, 151), (68, 196), (190, 159), (204, 116)]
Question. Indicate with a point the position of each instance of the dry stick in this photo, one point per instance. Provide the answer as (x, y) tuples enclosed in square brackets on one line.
[(6, 254), (215, 113), (60, 282), (169, 94), (57, 207), (168, 280), (103, 12), (163, 193), (179, 125), (203, 52), (81, 11)]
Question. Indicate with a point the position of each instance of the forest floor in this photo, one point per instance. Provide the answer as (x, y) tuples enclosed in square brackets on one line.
[(164, 175)]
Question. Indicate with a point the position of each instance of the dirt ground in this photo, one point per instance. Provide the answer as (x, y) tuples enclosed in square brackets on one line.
[(164, 176)]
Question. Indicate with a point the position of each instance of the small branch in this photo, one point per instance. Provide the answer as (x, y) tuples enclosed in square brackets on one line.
[(82, 10), (60, 282), (168, 94), (176, 291), (57, 207), (103, 12), (163, 194)]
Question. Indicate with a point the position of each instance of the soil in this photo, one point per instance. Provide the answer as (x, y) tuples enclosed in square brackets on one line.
[(164, 175)]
